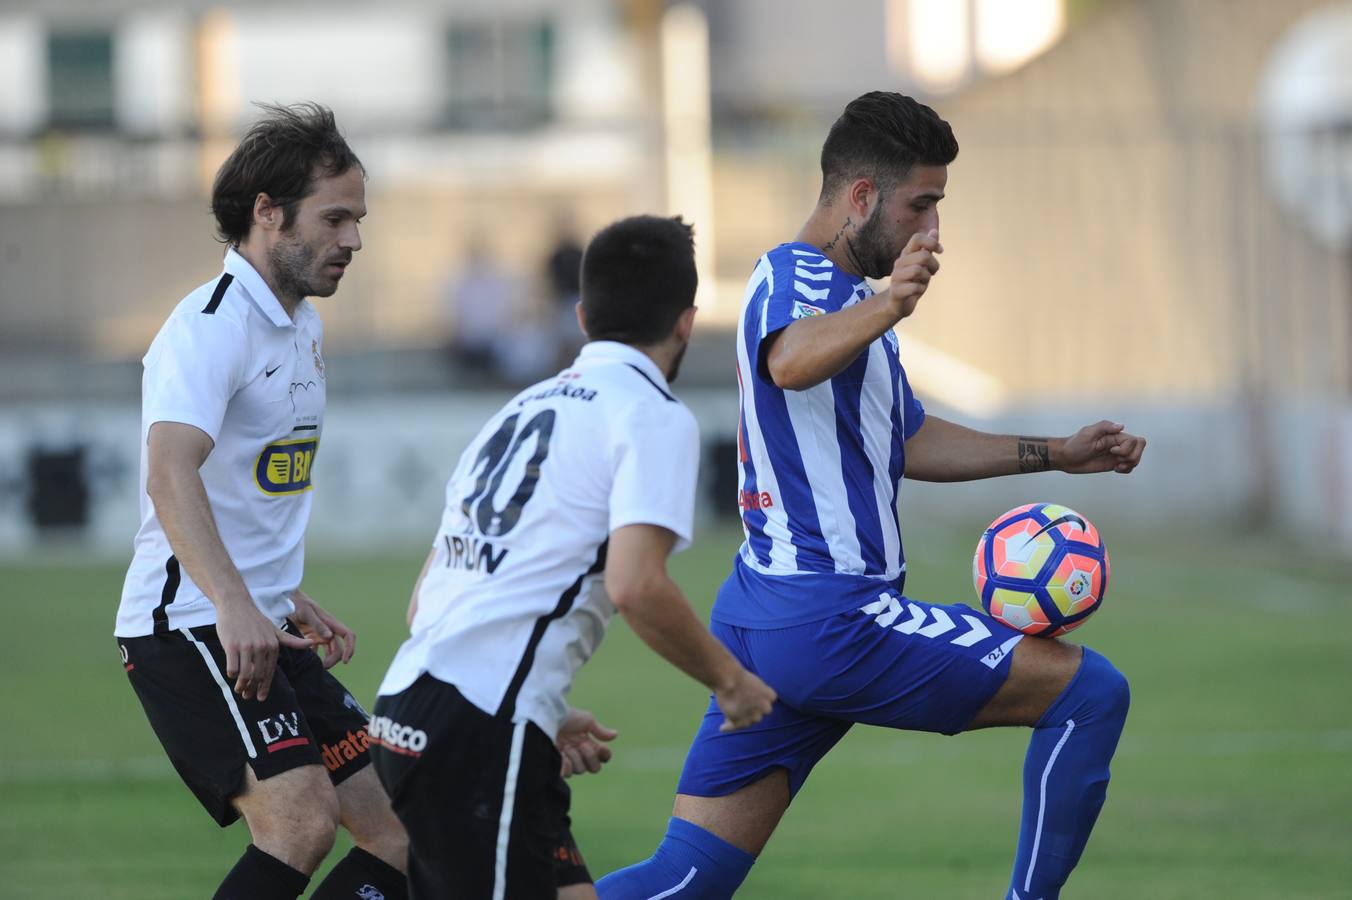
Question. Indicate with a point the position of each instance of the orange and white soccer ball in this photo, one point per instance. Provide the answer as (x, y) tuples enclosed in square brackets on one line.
[(1041, 568)]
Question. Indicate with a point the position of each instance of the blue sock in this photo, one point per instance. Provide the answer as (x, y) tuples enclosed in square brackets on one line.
[(1065, 777), (690, 863)]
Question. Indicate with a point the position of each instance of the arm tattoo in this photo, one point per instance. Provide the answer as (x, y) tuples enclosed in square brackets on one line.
[(1034, 455), (831, 243)]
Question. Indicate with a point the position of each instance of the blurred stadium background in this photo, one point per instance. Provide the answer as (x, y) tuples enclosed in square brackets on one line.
[(1150, 220)]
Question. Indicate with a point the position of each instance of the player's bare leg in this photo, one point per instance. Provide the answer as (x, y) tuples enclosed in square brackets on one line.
[(1040, 670), (745, 818), (578, 892), (710, 844), (1076, 703), (292, 816), (379, 861), (365, 812)]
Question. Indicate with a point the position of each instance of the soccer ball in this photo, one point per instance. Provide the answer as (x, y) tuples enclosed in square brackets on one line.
[(1041, 568)]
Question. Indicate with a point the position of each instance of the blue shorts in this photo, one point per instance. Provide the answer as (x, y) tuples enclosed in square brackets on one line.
[(894, 662)]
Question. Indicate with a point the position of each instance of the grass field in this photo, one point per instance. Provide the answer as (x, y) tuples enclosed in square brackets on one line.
[(1234, 776)]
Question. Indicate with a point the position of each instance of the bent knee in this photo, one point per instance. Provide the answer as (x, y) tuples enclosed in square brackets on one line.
[(1108, 683), (298, 826)]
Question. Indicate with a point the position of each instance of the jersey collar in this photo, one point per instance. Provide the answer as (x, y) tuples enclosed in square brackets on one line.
[(618, 352), (257, 289)]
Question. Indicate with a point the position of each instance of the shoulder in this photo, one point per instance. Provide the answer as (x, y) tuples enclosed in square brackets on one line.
[(643, 403), (654, 415), (214, 318), (220, 303)]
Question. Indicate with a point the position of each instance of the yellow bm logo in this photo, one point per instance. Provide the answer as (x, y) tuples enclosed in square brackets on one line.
[(284, 467)]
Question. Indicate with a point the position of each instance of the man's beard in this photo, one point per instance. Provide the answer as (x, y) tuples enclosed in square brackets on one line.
[(871, 248), (675, 368), (291, 261)]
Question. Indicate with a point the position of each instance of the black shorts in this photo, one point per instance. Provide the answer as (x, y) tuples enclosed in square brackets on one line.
[(481, 797), (211, 733)]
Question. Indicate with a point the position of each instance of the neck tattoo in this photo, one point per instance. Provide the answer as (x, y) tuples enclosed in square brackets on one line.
[(826, 248)]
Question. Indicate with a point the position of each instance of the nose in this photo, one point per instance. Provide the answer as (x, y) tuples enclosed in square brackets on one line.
[(351, 238)]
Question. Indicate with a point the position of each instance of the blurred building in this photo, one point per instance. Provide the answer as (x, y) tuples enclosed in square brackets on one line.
[(484, 115), (489, 116), (1150, 216)]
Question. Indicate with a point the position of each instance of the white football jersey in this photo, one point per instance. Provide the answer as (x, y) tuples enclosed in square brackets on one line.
[(232, 363), (514, 602)]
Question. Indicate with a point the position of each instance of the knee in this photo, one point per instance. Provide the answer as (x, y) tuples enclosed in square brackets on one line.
[(1109, 685), (301, 831)]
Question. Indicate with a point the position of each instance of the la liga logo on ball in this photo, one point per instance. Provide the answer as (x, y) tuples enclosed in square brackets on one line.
[(1041, 568)]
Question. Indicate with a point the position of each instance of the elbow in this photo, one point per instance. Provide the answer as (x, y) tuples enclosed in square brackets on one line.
[(161, 483), (630, 595), (623, 597), (787, 376), (157, 485)]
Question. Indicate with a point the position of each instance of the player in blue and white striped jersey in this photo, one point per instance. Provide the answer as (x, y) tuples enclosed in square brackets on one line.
[(819, 466), (828, 428)]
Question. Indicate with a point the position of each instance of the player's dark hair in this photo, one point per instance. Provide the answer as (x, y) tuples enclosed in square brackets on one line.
[(638, 276), (880, 136), (281, 155)]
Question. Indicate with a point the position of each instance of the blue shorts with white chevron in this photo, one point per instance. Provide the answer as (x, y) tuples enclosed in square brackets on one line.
[(894, 662)]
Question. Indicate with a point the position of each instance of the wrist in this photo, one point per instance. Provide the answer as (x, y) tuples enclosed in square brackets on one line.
[(233, 600), (726, 676), (1035, 454), (1056, 453)]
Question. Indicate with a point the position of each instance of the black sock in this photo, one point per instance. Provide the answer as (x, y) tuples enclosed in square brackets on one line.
[(261, 876), (362, 875)]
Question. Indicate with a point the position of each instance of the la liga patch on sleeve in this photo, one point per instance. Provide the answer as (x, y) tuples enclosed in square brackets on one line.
[(803, 310)]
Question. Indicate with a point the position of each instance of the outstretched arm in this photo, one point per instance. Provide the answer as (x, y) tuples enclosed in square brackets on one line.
[(657, 610), (945, 451)]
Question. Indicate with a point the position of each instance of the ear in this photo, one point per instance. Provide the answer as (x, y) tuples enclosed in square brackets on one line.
[(266, 214), (685, 324), (861, 196), (581, 319)]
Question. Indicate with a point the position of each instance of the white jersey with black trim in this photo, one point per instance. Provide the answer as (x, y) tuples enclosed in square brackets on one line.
[(232, 363), (513, 602)]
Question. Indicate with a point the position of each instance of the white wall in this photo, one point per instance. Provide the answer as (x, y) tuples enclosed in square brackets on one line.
[(153, 72), (23, 77)]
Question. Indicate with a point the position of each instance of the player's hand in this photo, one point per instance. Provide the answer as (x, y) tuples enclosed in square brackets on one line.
[(580, 743), (1102, 447), (323, 629), (912, 271), (251, 642), (745, 702)]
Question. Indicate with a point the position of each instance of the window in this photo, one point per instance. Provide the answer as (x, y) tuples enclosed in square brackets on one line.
[(500, 74), (80, 79)]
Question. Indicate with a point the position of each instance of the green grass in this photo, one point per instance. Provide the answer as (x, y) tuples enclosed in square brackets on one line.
[(1232, 779)]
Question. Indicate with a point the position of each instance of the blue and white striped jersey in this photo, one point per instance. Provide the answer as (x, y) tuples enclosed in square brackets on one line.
[(820, 468)]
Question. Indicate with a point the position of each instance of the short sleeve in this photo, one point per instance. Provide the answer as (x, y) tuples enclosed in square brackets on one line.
[(656, 463), (801, 287), (196, 364), (912, 410)]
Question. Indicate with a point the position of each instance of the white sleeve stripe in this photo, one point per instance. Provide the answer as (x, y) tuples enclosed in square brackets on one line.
[(505, 820), (225, 692)]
